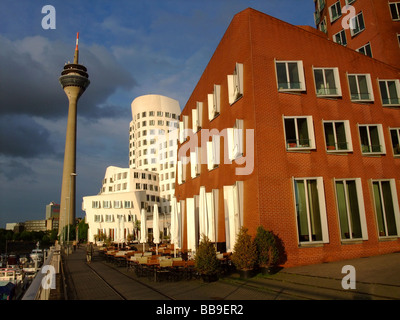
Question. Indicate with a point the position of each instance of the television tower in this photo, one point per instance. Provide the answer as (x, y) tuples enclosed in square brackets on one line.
[(74, 80)]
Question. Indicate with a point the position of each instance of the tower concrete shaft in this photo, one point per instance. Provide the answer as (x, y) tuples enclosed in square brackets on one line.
[(74, 80)]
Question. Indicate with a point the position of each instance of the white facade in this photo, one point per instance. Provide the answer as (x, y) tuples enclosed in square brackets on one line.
[(153, 141), (114, 211)]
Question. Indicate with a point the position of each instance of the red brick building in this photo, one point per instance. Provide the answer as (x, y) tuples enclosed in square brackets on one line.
[(305, 142), (376, 28)]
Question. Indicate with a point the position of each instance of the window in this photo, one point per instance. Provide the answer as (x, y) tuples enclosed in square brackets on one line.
[(183, 125), (357, 24), (390, 92), (337, 136), (371, 137), (197, 117), (159, 113), (365, 50), (310, 210), (235, 140), (96, 204), (350, 1), (143, 114), (117, 204), (327, 83), (235, 84), (213, 152), (299, 133), (321, 4), (386, 207), (335, 11), (322, 26), (340, 38), (290, 76), (181, 170), (351, 210), (360, 87), (106, 204), (214, 102), (395, 10), (195, 162), (395, 137)]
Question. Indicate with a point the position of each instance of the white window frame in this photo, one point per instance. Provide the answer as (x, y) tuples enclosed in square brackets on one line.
[(338, 8), (197, 117), (183, 126), (397, 84), (342, 34), (354, 22), (214, 102), (397, 7), (321, 92), (349, 142), (363, 50), (235, 140), (395, 203), (213, 152), (300, 71), (397, 132), (321, 4), (322, 210), (361, 208), (380, 137), (311, 137), (235, 84), (195, 162), (369, 86)]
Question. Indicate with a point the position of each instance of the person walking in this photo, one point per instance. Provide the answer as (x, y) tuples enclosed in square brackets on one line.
[(89, 252)]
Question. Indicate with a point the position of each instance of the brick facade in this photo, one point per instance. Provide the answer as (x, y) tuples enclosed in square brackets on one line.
[(257, 41)]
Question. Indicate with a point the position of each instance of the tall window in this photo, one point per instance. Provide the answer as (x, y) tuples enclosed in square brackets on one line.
[(235, 84), (337, 136), (360, 87), (327, 82), (290, 75), (310, 210), (390, 92), (299, 133), (214, 102), (351, 209), (335, 11), (357, 24), (395, 10), (386, 207), (340, 38), (395, 137), (371, 137)]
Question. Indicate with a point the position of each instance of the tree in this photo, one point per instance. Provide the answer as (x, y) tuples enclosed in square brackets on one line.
[(206, 258), (267, 250), (244, 255)]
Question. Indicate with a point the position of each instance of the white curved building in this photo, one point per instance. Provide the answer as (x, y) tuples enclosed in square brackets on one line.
[(153, 141)]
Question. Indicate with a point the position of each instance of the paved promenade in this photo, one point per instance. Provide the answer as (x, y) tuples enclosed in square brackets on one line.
[(376, 278)]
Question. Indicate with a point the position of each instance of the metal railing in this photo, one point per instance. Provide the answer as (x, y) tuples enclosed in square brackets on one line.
[(44, 280)]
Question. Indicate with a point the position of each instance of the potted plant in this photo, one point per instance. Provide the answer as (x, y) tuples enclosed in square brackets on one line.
[(267, 250), (206, 261), (244, 255)]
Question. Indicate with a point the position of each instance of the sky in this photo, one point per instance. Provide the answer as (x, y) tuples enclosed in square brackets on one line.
[(130, 48)]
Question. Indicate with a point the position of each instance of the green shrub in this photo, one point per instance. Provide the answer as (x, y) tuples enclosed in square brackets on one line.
[(244, 254)]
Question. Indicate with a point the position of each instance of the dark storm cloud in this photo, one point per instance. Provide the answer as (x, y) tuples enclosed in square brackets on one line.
[(29, 72)]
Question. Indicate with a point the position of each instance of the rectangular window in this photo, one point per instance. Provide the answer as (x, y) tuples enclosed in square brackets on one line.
[(195, 162), (371, 137), (235, 140), (327, 82), (360, 87), (366, 50), (395, 10), (350, 1), (340, 38), (351, 209), (235, 84), (290, 75), (386, 207), (337, 136), (322, 26), (357, 24), (181, 170), (395, 137), (213, 152), (299, 133), (310, 210), (183, 126), (197, 117), (390, 92), (214, 102), (107, 204), (321, 4), (335, 11)]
